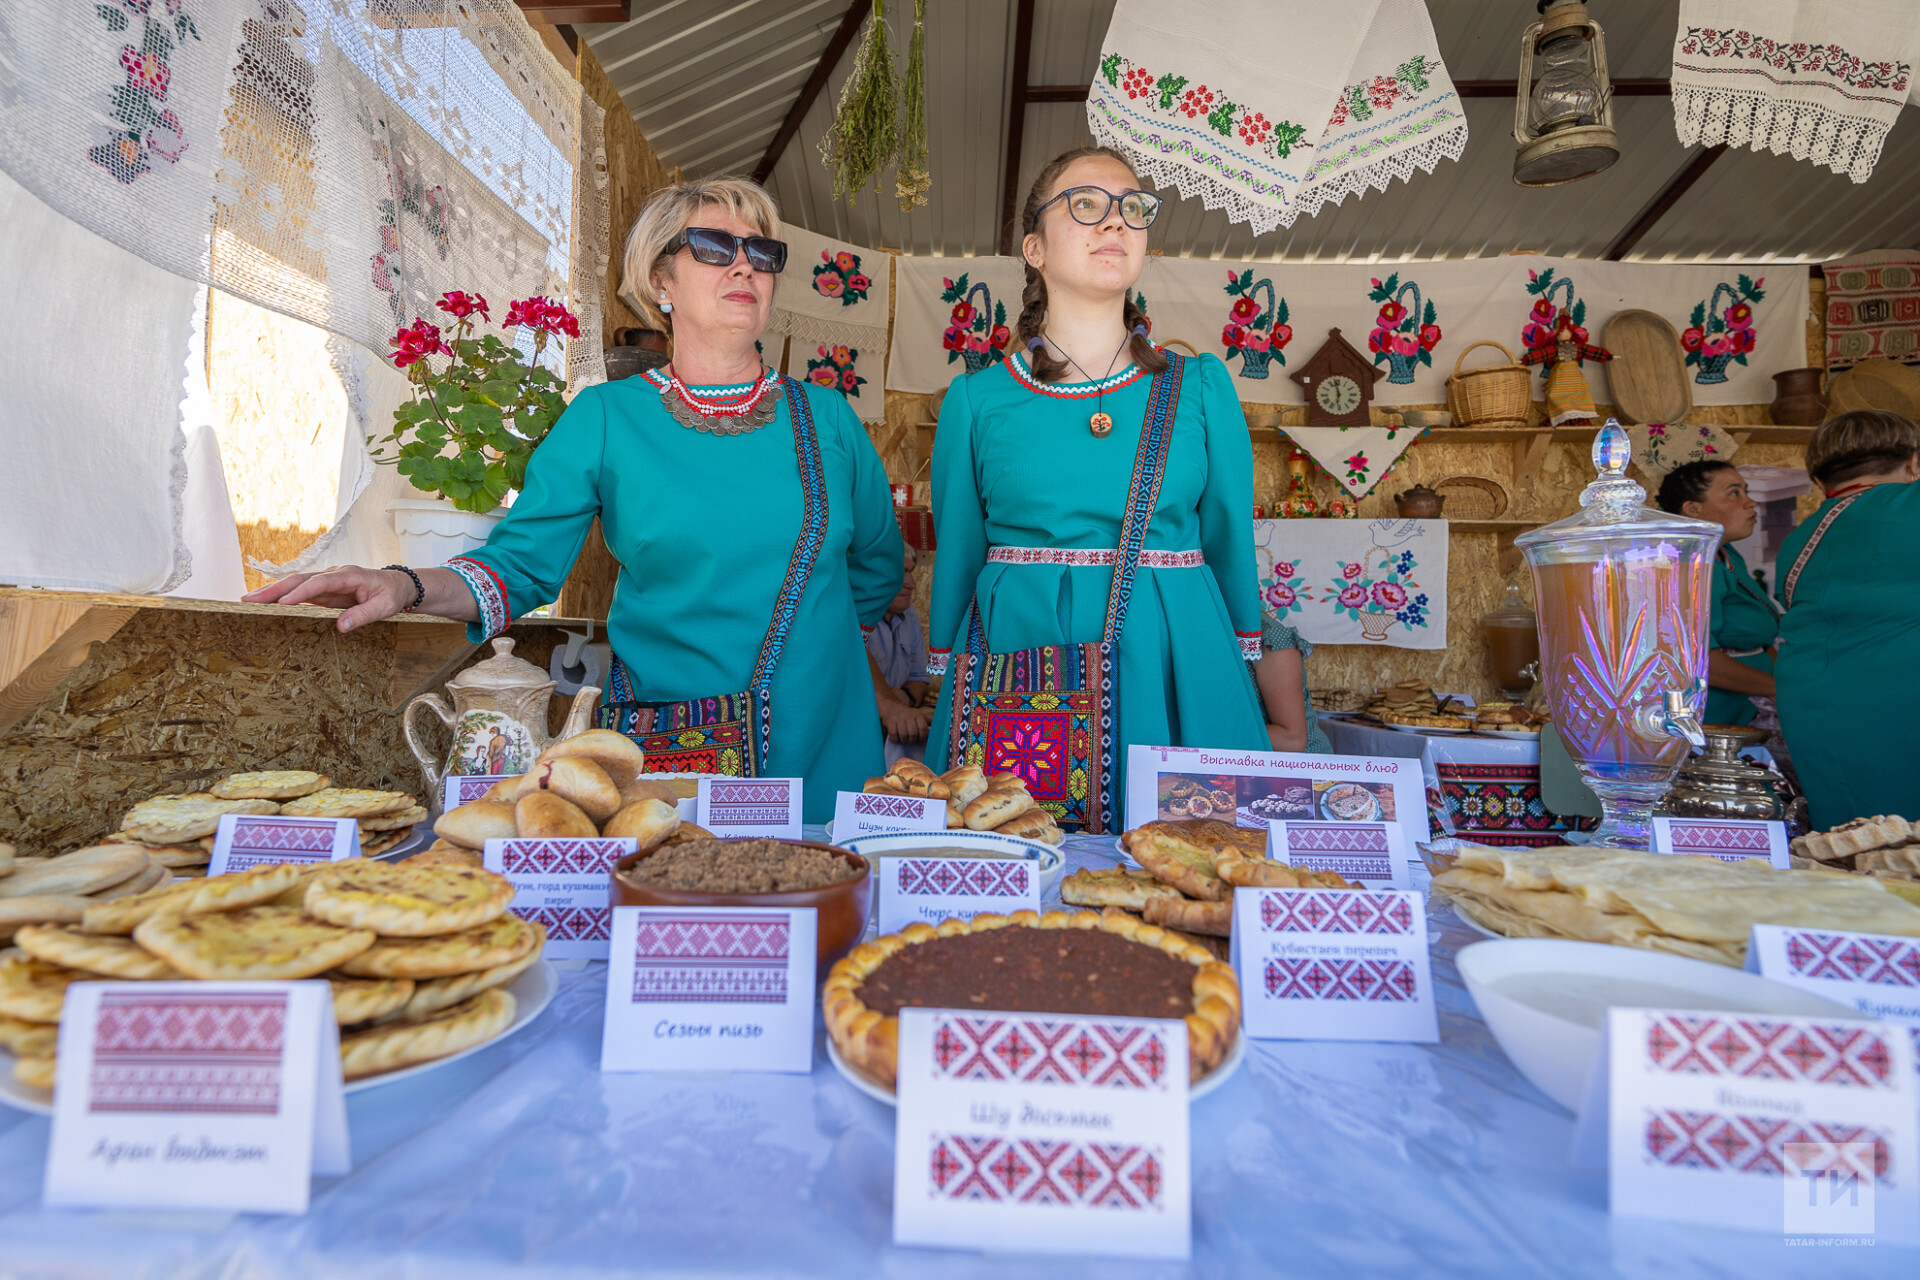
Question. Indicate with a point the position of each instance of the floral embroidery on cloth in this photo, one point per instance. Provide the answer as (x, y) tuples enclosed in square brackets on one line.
[(1820, 80), (837, 311), (146, 128), (1253, 332), (1402, 335), (839, 276), (1720, 330), (976, 335), (834, 368), (1356, 581)]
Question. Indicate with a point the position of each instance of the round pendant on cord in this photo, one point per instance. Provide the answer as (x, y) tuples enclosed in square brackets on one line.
[(1101, 424)]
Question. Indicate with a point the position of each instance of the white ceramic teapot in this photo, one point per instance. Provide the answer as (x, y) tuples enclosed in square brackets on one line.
[(498, 716)]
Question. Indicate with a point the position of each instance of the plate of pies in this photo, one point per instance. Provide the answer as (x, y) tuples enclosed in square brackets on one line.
[(1435, 730)]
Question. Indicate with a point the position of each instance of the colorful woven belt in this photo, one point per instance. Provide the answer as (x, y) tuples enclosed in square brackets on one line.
[(1075, 557)]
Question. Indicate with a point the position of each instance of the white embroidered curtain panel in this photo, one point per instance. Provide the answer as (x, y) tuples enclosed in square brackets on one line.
[(1356, 581), (344, 163), (1820, 80), (1269, 109), (833, 301)]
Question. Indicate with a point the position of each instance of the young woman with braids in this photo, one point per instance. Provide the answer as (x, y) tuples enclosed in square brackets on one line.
[(1032, 470)]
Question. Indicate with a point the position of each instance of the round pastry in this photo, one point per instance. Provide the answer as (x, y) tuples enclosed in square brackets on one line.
[(1111, 964), (618, 756)]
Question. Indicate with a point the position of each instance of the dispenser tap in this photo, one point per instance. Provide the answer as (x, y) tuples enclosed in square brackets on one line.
[(1679, 721)]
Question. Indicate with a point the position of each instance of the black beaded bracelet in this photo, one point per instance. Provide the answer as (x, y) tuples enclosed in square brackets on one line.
[(419, 588)]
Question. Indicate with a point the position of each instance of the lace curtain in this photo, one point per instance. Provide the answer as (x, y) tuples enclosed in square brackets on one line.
[(343, 162)]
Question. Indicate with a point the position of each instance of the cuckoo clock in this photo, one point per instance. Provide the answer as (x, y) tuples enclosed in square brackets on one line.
[(1339, 382)]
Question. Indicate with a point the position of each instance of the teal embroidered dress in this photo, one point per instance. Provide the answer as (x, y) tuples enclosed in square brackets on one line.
[(703, 526), (1018, 474), (1848, 674), (1745, 623)]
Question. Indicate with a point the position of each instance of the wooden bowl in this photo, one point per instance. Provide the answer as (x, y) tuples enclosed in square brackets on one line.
[(841, 908)]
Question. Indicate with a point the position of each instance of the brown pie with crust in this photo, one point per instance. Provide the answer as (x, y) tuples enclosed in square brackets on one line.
[(1064, 962)]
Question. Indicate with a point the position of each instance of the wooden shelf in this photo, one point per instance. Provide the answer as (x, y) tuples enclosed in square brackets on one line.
[(1758, 433), (1492, 526)]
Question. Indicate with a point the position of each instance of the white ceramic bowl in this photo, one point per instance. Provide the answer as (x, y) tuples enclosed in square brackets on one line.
[(1051, 862), (1544, 1000)]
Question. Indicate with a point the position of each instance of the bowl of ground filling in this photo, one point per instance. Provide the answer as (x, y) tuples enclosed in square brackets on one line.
[(755, 873)]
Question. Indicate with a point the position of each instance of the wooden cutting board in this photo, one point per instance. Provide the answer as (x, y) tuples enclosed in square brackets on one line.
[(1648, 373)]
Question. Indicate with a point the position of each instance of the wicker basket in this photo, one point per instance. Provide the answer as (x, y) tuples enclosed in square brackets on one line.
[(1472, 498), (1498, 395)]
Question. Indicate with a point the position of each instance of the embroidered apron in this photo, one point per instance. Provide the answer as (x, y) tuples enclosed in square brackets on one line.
[(731, 734), (1047, 713)]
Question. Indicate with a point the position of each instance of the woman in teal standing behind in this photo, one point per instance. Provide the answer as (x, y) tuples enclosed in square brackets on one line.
[(749, 513), (1034, 464), (1745, 622), (1849, 668)]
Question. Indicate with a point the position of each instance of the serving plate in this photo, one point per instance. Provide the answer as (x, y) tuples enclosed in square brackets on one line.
[(1423, 729), (532, 992), (1511, 731), (1545, 1000), (1050, 861), (1235, 1057)]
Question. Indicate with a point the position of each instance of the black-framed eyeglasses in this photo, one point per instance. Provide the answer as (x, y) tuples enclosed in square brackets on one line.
[(1089, 206), (719, 248)]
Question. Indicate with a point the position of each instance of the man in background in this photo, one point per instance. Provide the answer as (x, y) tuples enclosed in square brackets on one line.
[(897, 655)]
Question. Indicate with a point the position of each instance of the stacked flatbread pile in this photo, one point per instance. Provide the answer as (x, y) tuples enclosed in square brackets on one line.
[(1698, 907), (418, 953), (1413, 703), (976, 800), (1886, 847), (176, 831), (59, 890), (1190, 870)]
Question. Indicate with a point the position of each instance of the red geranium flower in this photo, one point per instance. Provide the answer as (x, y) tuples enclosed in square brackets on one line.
[(1245, 309), (417, 340), (462, 305)]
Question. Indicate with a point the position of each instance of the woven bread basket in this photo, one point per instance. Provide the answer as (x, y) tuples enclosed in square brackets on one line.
[(1497, 395)]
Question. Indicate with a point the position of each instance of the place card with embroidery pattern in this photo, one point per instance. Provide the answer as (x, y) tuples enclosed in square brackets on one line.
[(1728, 839), (246, 840), (1373, 854), (710, 989), (871, 813), (1333, 964), (565, 884), (1757, 1122), (1878, 974), (930, 890), (459, 789), (1040, 1133), (753, 807), (196, 1095)]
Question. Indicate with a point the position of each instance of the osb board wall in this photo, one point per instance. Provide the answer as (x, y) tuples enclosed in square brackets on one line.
[(176, 699), (278, 411)]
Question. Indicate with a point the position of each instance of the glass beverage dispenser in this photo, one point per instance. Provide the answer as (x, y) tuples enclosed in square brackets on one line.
[(1623, 594)]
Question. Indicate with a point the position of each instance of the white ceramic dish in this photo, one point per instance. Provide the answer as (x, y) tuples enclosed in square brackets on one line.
[(1475, 925), (1051, 862), (886, 1096), (1544, 1000), (532, 992), (1511, 731)]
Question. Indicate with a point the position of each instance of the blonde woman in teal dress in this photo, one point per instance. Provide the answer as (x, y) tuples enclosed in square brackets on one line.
[(1031, 472), (704, 493)]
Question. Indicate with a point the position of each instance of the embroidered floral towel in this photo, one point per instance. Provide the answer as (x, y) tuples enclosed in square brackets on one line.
[(1269, 110), (1659, 447), (1358, 457), (1820, 80), (1356, 581), (833, 301)]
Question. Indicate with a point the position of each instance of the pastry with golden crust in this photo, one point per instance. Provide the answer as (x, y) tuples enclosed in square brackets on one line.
[(400, 901), (392, 1045), (1112, 963)]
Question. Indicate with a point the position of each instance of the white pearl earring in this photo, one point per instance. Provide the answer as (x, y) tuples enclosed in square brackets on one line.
[(665, 306)]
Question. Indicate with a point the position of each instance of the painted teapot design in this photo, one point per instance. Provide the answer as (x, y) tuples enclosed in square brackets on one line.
[(498, 716)]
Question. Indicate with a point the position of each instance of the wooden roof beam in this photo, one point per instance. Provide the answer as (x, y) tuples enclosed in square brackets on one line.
[(1016, 120), (829, 59), (1677, 186)]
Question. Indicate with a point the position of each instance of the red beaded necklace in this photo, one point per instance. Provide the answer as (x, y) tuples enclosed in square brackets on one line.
[(1846, 489)]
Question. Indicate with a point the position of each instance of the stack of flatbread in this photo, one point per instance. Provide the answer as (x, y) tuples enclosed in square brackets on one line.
[(176, 831), (59, 890), (1188, 872), (1698, 907), (418, 953)]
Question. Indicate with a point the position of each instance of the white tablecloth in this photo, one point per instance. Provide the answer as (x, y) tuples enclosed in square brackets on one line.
[(1345, 1160)]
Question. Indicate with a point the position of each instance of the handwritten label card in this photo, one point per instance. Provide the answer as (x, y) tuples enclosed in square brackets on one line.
[(1333, 964), (1755, 1122), (934, 889), (457, 789), (245, 840), (692, 989), (1728, 839), (566, 885), (1370, 853), (1877, 974), (196, 1095), (865, 813), (766, 807), (1034, 1134)]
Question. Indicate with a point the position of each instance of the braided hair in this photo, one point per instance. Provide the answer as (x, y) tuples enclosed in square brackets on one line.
[(1027, 331), (1688, 482)]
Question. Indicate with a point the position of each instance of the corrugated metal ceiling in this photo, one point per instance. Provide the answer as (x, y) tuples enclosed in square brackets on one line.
[(710, 82)]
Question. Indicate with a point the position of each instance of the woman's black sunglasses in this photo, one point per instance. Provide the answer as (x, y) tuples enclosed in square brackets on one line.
[(719, 248), (1090, 206)]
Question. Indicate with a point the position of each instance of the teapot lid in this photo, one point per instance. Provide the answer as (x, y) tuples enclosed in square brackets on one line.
[(501, 671), (1613, 510)]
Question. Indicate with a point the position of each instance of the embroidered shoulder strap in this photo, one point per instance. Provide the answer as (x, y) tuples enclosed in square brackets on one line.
[(806, 550), (1813, 544), (1143, 494)]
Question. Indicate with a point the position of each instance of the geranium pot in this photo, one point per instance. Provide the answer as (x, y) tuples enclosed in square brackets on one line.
[(433, 531)]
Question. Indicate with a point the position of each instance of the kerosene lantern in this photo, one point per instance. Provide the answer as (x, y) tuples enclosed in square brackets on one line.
[(1623, 593), (1563, 112)]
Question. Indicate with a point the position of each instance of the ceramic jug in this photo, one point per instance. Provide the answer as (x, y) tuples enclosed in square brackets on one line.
[(498, 716), (1419, 503)]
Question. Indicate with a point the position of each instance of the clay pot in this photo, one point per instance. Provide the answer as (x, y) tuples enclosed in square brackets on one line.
[(1419, 503), (843, 907), (634, 351), (1798, 403)]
